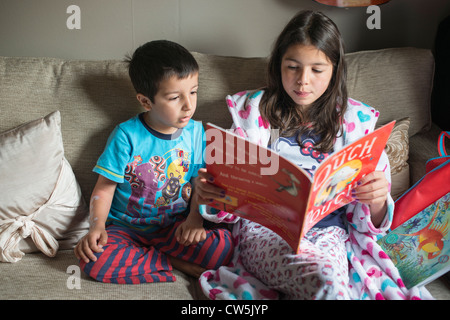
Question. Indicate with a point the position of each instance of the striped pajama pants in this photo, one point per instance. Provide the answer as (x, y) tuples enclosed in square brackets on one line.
[(132, 256)]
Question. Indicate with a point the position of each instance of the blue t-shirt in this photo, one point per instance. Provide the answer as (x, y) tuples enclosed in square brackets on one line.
[(152, 171), (309, 159)]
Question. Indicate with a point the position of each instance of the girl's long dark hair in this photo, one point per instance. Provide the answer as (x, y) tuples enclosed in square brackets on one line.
[(326, 113)]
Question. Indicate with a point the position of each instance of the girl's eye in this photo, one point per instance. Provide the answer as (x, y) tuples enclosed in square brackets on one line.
[(317, 71), (194, 92), (293, 67)]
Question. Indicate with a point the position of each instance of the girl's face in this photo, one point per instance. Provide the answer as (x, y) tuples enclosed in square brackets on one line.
[(305, 73)]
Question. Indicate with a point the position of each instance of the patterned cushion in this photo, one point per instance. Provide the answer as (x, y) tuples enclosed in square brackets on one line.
[(397, 150)]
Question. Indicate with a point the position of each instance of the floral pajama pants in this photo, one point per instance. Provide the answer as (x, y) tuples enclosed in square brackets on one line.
[(319, 271)]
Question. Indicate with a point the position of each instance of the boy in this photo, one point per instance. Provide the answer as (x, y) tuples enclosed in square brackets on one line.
[(141, 224)]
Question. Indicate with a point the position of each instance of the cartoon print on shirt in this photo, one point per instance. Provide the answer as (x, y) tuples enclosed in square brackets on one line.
[(145, 178), (186, 192), (172, 189), (176, 172), (159, 167), (145, 185)]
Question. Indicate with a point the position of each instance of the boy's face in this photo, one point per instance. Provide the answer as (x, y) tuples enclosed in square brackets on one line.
[(174, 104)]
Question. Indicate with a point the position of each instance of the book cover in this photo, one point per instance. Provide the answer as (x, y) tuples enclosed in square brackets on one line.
[(268, 189), (420, 247)]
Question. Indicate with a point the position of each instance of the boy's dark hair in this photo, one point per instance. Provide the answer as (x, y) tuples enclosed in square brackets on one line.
[(156, 61)]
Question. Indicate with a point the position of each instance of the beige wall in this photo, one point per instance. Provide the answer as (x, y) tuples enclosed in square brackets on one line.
[(112, 28)]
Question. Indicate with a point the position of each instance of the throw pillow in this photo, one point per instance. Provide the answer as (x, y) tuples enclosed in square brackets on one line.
[(397, 150), (41, 206), (397, 147)]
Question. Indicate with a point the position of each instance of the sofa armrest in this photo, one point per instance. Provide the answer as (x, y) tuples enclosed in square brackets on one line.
[(422, 147)]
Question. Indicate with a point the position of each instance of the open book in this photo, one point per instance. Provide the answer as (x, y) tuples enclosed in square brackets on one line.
[(420, 247), (268, 189)]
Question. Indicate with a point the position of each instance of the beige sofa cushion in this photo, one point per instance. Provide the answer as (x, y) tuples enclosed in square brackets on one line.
[(38, 277), (220, 76), (397, 82), (94, 96)]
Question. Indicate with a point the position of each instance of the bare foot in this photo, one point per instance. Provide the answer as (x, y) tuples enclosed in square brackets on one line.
[(191, 269)]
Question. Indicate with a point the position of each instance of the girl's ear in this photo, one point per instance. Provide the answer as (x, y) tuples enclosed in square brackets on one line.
[(145, 102)]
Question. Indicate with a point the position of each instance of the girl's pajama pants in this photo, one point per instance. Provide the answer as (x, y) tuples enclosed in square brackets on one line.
[(320, 271), (132, 256)]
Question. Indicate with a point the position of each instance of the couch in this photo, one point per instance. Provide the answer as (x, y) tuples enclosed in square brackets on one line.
[(56, 116)]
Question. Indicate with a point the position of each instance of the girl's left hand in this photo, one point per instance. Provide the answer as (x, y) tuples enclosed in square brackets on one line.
[(373, 190)]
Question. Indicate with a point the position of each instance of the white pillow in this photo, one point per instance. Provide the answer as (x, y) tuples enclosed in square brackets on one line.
[(39, 195)]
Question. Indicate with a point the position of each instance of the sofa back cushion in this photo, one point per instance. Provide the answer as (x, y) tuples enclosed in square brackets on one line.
[(397, 82), (94, 96), (220, 76)]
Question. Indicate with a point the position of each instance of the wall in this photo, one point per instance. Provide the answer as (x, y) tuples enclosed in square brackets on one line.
[(112, 28)]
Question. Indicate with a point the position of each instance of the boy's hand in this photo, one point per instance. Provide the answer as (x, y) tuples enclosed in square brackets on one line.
[(99, 207), (191, 231), (90, 243), (187, 233)]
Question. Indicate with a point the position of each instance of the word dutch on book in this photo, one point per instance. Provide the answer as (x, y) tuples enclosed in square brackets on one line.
[(287, 201)]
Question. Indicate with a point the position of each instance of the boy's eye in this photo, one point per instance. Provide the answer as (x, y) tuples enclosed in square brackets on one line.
[(173, 98), (293, 67)]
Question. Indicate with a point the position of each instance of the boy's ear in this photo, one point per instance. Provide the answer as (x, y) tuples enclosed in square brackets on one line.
[(145, 102)]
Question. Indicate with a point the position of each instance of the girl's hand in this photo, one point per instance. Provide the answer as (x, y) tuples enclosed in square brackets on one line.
[(373, 190), (90, 243), (206, 190)]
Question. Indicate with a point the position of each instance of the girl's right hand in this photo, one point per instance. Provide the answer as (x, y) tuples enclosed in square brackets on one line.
[(90, 243), (206, 190)]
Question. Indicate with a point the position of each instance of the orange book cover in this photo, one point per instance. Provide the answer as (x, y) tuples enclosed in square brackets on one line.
[(266, 188)]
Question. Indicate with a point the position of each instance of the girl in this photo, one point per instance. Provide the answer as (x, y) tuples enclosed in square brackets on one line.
[(306, 100)]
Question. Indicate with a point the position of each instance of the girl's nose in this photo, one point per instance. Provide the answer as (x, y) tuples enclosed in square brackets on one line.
[(303, 78)]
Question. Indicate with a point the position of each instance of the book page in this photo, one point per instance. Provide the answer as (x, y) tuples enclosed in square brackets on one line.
[(276, 200), (266, 188)]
